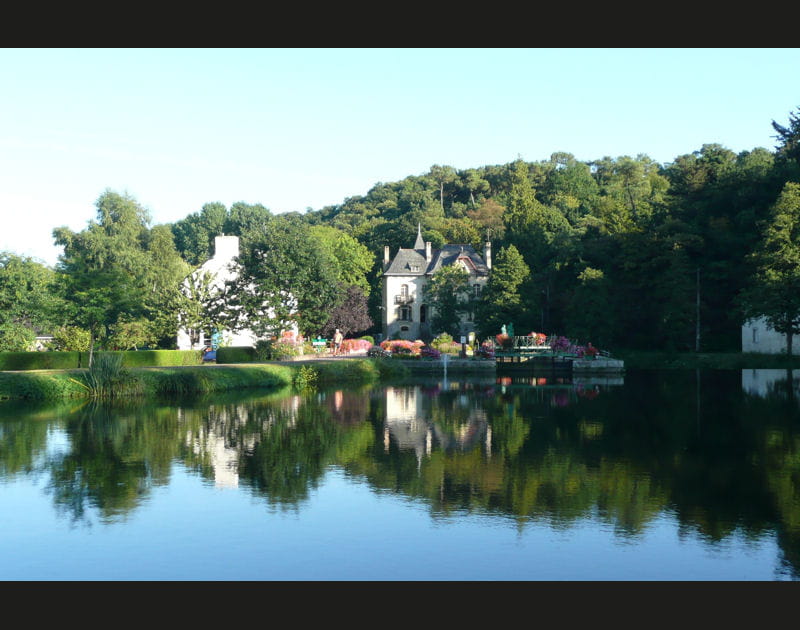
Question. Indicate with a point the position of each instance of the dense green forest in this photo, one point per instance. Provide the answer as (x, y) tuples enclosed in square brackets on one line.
[(625, 252)]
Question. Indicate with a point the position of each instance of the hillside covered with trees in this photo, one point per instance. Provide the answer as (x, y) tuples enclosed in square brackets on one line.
[(625, 252)]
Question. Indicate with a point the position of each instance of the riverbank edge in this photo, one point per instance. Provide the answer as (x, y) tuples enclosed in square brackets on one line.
[(164, 381), (211, 377)]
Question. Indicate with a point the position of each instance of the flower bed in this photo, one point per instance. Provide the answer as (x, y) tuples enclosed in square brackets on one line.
[(402, 346)]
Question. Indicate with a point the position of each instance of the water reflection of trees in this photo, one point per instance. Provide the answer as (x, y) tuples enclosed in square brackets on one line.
[(698, 446)]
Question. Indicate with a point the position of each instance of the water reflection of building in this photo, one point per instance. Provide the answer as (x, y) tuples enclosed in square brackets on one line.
[(762, 382), (410, 426), (221, 443)]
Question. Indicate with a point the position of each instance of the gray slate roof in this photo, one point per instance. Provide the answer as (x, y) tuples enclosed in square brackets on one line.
[(406, 259)]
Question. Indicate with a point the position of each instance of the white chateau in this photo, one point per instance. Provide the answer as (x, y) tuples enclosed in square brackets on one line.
[(406, 310), (221, 267)]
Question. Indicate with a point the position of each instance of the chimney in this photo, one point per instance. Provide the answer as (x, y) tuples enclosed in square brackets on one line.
[(428, 251), (226, 247), (386, 258), (487, 254)]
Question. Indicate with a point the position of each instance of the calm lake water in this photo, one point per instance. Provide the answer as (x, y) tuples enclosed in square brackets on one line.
[(657, 475)]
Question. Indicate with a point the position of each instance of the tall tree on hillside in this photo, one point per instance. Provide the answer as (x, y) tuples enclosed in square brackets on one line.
[(789, 138), (489, 216), (775, 290), (443, 176)]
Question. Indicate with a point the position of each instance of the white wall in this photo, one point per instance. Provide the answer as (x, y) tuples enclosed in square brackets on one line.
[(226, 248), (758, 337)]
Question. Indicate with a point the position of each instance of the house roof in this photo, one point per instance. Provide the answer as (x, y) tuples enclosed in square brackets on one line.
[(411, 262)]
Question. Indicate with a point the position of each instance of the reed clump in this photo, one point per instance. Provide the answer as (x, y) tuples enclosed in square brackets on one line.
[(107, 378)]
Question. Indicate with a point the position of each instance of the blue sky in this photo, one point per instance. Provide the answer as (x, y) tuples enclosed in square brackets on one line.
[(302, 128)]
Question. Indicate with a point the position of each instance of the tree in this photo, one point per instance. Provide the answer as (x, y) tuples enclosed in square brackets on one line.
[(70, 338), (131, 334), (775, 290), (350, 315), (16, 337), (283, 277), (448, 293), (789, 138), (194, 235), (349, 260), (489, 216), (28, 294), (107, 269), (443, 175), (163, 275), (500, 301), (199, 305)]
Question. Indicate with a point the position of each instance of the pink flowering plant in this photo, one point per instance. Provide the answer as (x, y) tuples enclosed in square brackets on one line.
[(430, 353), (561, 344), (486, 350), (356, 345), (402, 346)]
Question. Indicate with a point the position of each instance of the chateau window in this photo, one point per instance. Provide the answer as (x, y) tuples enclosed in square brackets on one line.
[(404, 290), (423, 313), (477, 290), (404, 313)]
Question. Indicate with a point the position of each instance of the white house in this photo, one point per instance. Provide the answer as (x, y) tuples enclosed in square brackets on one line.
[(406, 310), (757, 336), (221, 268)]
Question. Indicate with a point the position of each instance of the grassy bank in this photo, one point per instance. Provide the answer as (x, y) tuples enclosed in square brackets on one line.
[(707, 360), (201, 379)]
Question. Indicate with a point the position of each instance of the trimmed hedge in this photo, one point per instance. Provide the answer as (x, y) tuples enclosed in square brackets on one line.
[(236, 354), (13, 361)]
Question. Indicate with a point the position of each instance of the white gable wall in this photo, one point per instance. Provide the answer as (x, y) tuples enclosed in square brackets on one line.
[(757, 336), (226, 248)]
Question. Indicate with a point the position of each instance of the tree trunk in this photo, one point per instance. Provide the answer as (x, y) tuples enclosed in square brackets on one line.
[(789, 343), (697, 315), (91, 348)]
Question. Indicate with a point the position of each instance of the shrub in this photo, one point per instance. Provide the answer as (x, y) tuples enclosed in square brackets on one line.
[(442, 340), (355, 345), (305, 378), (430, 353), (402, 346), (236, 354), (486, 350), (377, 351)]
